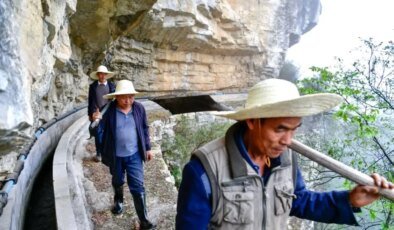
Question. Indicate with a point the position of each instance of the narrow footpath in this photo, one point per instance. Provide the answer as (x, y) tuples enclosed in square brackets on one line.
[(161, 191), (161, 194)]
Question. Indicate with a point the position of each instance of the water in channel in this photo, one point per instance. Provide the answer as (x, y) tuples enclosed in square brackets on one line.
[(40, 212)]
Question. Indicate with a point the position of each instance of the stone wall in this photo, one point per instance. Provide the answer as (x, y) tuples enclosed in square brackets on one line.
[(40, 72), (166, 47), (189, 47)]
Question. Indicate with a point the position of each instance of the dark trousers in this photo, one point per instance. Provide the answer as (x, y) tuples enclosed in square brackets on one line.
[(96, 142), (93, 133)]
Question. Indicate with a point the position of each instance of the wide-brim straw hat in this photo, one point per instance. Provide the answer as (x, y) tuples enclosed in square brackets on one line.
[(123, 87), (101, 69), (280, 98)]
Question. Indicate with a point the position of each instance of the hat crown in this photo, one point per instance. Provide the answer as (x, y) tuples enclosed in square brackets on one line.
[(125, 87), (102, 69), (271, 91)]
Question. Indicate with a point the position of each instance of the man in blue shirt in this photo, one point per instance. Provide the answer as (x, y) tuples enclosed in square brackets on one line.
[(124, 138), (250, 180)]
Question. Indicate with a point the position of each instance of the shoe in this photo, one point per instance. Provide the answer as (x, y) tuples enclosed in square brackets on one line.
[(118, 208), (145, 225), (97, 158)]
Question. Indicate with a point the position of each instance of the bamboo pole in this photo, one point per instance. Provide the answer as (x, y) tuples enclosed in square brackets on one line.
[(338, 167)]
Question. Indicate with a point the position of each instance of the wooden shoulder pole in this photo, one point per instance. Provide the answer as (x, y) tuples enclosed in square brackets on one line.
[(338, 167)]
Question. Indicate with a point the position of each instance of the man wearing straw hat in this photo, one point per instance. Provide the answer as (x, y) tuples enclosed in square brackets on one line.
[(96, 102), (124, 137), (249, 179)]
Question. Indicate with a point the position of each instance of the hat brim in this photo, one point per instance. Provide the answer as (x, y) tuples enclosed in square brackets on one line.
[(299, 107), (112, 95), (93, 75)]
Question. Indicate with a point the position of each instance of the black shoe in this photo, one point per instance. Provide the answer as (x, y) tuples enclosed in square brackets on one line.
[(118, 208), (97, 158), (145, 225)]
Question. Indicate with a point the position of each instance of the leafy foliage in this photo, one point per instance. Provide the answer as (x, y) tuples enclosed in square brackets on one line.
[(367, 89), (189, 136)]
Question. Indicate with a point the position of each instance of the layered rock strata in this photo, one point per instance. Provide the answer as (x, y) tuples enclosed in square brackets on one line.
[(168, 48)]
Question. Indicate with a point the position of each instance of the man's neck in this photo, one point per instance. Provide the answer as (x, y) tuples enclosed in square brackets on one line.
[(254, 153), (103, 82), (124, 110), (260, 161)]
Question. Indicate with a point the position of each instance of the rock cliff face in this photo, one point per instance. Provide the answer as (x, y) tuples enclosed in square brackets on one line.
[(165, 47)]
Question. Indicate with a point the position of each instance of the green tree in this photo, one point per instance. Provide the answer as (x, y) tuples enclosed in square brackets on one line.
[(189, 136), (367, 89)]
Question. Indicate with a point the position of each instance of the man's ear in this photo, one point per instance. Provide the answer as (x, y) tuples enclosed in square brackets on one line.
[(249, 123)]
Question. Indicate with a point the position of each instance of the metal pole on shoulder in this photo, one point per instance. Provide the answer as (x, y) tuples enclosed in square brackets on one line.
[(338, 167)]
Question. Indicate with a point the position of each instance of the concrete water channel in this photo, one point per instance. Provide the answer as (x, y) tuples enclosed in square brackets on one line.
[(50, 191), (40, 212), (53, 185), (16, 191)]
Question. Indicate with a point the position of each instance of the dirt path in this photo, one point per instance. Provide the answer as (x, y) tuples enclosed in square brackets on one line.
[(161, 194)]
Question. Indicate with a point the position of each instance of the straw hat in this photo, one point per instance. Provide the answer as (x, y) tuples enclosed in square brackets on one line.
[(280, 98), (101, 69), (122, 87)]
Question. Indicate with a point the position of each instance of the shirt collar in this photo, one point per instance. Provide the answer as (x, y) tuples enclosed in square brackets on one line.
[(105, 83), (119, 111)]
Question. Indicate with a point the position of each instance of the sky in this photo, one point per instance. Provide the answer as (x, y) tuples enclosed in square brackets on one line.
[(340, 25)]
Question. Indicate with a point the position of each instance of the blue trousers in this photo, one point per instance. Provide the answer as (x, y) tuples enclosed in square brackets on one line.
[(133, 167)]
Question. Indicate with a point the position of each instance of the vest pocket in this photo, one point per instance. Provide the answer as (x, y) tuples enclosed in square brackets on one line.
[(238, 207), (283, 199)]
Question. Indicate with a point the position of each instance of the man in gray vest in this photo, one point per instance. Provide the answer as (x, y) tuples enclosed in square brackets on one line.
[(96, 102), (249, 179)]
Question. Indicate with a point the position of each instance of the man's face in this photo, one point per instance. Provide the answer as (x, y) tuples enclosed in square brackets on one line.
[(124, 101), (101, 77), (271, 136)]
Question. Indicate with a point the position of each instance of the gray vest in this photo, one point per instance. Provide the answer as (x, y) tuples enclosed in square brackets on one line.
[(240, 200)]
